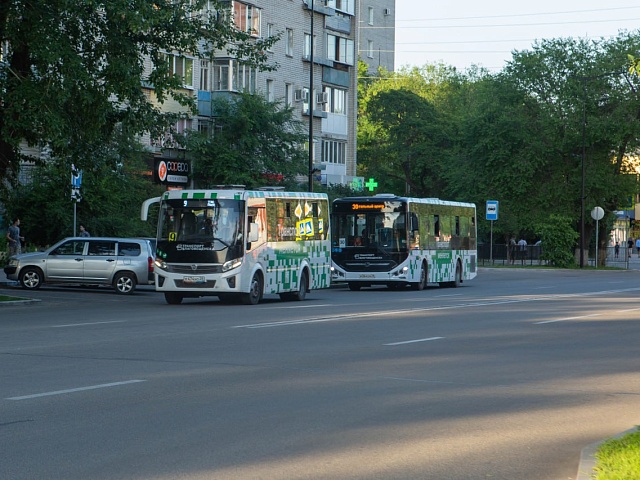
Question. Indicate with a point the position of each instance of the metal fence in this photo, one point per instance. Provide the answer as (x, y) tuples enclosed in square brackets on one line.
[(531, 255)]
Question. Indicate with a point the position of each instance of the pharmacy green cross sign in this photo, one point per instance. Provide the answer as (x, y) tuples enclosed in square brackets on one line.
[(371, 184)]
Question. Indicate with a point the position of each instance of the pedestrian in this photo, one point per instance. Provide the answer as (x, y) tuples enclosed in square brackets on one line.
[(83, 232), (616, 249), (14, 238), (629, 247), (522, 244), (511, 252), (638, 246)]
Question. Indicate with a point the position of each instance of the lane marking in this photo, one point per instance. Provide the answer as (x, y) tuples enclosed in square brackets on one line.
[(302, 306), (450, 295), (83, 324), (568, 318), (628, 310), (414, 341), (385, 313), (73, 390)]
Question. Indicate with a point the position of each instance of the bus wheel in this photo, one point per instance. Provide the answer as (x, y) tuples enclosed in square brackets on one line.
[(458, 280), (255, 291), (301, 294), (354, 287), (422, 283), (173, 298)]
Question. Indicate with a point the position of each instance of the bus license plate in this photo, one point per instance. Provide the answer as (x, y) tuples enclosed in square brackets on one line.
[(193, 279)]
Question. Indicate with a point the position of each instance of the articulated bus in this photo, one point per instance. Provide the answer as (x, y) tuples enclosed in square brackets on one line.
[(238, 244), (399, 241)]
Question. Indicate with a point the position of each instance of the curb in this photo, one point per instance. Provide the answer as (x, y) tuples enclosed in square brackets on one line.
[(588, 456)]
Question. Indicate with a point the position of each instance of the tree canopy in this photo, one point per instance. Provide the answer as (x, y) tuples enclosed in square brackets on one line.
[(520, 136), (73, 70)]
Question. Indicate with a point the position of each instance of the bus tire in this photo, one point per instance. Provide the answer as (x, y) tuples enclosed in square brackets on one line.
[(254, 295), (301, 294), (422, 283), (173, 298), (354, 287), (457, 279)]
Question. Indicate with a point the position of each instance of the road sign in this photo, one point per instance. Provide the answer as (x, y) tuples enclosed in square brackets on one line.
[(492, 210)]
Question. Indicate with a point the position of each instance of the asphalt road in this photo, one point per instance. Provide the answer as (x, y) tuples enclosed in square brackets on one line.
[(507, 377)]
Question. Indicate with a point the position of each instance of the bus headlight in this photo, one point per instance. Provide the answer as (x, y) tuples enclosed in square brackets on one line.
[(231, 264), (161, 264)]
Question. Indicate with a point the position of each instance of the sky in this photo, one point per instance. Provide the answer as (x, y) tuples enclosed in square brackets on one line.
[(466, 32)]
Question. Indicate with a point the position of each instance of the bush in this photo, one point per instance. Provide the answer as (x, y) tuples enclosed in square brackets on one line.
[(558, 241)]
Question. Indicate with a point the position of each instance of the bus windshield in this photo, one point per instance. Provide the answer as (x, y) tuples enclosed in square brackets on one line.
[(384, 229), (217, 224)]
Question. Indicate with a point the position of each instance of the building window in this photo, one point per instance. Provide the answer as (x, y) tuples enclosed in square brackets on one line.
[(269, 91), (204, 75), (231, 75), (181, 66), (307, 45), (336, 101), (346, 6), (270, 30), (288, 46), (370, 48), (334, 152), (370, 15), (340, 49), (288, 94), (247, 18)]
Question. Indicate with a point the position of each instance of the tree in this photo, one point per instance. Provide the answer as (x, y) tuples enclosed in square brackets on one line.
[(74, 69), (403, 131), (113, 188), (254, 143)]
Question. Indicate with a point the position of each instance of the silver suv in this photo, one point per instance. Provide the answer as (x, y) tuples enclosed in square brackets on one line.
[(121, 263)]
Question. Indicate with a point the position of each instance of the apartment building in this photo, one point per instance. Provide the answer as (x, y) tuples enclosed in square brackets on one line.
[(376, 25), (322, 92)]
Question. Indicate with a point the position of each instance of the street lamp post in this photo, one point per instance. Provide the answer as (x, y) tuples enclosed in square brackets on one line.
[(585, 79), (311, 103)]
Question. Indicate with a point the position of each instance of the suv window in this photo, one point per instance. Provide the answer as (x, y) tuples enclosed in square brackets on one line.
[(129, 249), (74, 247), (102, 248)]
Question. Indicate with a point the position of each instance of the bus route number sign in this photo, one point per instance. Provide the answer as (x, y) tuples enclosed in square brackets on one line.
[(492, 210)]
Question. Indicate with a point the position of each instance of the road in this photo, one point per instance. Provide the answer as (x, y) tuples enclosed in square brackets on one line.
[(507, 377)]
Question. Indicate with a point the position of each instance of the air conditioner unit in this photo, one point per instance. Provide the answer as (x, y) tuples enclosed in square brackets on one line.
[(322, 97), (387, 11), (298, 95)]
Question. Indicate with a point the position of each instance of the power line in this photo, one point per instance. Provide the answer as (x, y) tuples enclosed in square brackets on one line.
[(517, 15), (487, 25)]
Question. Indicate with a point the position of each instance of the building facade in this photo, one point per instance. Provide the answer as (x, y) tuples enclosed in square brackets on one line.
[(322, 92), (376, 42)]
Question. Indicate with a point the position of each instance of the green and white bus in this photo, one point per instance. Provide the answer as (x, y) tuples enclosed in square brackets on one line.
[(240, 245), (398, 241)]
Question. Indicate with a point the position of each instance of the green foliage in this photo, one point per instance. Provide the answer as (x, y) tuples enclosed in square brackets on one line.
[(558, 240), (112, 193), (72, 71), (255, 143), (619, 459)]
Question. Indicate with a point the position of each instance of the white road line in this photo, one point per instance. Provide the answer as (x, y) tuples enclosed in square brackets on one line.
[(83, 324), (414, 341), (628, 310), (385, 313), (450, 295), (302, 306), (569, 318), (72, 390)]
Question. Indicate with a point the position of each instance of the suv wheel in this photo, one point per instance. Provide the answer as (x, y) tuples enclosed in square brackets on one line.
[(124, 283), (31, 278)]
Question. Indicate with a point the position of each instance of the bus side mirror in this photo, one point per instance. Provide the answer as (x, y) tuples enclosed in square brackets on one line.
[(253, 232)]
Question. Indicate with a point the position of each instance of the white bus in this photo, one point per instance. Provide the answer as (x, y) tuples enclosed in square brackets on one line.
[(400, 241), (239, 245)]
